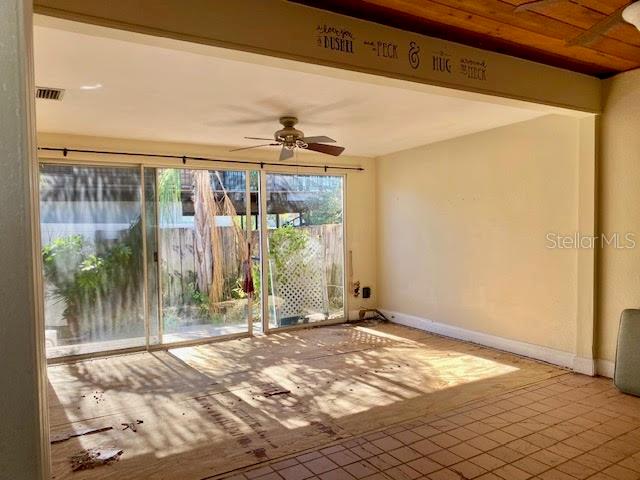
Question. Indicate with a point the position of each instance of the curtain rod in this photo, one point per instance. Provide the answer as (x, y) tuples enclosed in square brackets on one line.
[(184, 158)]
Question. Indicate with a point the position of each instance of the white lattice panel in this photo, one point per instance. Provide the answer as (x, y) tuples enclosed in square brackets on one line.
[(302, 285)]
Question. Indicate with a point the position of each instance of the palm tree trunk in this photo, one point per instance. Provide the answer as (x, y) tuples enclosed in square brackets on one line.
[(209, 275)]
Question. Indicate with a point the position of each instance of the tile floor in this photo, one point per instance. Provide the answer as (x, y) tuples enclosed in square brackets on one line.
[(566, 428)]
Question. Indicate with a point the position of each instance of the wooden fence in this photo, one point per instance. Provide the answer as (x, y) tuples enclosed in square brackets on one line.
[(178, 259)]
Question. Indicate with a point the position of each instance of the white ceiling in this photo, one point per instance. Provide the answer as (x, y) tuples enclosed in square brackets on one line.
[(166, 94)]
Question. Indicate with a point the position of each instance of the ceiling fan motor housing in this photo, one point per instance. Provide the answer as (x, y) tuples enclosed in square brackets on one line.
[(290, 136)]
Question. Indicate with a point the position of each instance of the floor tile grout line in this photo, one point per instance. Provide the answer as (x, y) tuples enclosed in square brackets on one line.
[(559, 420)]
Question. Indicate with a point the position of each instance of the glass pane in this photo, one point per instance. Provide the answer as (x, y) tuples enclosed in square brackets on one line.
[(92, 258), (306, 257), (203, 253)]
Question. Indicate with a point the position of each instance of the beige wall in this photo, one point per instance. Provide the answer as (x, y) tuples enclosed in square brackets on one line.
[(359, 196), (462, 230), (619, 205)]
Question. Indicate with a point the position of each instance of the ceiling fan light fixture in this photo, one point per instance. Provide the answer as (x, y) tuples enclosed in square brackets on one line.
[(631, 14)]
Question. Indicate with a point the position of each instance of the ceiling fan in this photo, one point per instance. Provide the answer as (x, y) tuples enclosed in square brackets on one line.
[(291, 138), (628, 12)]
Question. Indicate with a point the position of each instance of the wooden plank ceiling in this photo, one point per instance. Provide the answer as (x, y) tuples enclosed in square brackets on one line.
[(587, 36)]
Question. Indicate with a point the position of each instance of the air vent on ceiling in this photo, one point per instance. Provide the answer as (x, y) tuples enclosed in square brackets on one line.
[(48, 93)]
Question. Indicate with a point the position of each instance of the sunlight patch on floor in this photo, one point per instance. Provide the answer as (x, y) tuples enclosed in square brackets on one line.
[(268, 396)]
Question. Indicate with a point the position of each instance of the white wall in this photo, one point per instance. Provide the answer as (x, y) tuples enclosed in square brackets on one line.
[(462, 228)]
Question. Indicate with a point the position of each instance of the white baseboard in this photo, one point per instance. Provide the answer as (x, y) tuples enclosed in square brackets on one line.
[(605, 368), (568, 360), (586, 366)]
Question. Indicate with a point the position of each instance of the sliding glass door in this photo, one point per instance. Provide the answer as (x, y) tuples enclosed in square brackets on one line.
[(92, 253), (304, 224), (205, 266), (137, 256)]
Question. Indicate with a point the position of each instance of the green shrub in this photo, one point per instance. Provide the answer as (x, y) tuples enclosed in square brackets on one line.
[(79, 275)]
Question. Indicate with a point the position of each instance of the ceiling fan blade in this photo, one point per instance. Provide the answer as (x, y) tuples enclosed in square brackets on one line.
[(328, 149), (259, 138), (285, 154), (255, 146), (588, 37), (320, 139)]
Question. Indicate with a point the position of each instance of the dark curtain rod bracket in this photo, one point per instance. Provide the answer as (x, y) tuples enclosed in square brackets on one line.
[(184, 158)]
